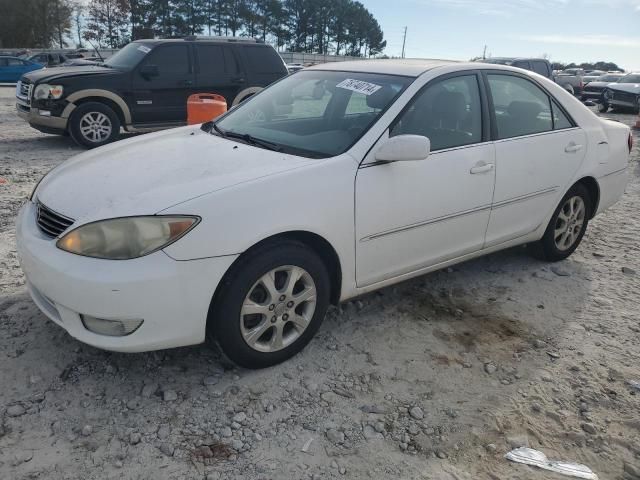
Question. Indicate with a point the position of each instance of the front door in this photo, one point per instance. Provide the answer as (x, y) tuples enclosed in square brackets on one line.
[(161, 98), (412, 215), (538, 151)]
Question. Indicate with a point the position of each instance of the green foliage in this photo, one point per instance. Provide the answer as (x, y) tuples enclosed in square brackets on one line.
[(604, 66), (35, 23)]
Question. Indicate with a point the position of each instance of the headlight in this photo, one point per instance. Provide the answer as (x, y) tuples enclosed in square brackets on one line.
[(45, 91), (127, 237)]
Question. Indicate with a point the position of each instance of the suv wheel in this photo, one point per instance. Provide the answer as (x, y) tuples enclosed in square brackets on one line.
[(93, 124), (270, 305), (566, 227)]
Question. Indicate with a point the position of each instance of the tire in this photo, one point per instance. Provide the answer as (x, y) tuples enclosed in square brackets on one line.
[(554, 246), (93, 124), (237, 331), (603, 107)]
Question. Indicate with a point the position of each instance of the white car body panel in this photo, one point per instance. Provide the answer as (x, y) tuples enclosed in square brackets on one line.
[(386, 223)]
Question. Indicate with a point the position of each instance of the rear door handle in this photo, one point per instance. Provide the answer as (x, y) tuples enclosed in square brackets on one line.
[(481, 167), (573, 148)]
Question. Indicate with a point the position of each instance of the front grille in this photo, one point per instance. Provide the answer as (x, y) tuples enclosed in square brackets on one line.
[(50, 222), (624, 96), (24, 91)]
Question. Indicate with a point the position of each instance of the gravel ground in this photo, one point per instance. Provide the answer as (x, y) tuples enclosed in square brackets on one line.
[(436, 378)]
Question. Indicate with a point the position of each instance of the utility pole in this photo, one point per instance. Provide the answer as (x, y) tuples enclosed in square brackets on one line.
[(404, 41), (484, 53)]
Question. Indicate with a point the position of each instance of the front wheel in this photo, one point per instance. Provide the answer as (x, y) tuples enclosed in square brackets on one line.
[(603, 107), (93, 124), (270, 305), (566, 227)]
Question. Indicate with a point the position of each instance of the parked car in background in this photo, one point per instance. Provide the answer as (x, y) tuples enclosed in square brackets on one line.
[(569, 82), (169, 239), (625, 94), (593, 90), (294, 67), (145, 86), (83, 61), (12, 68), (572, 80), (49, 59), (592, 75)]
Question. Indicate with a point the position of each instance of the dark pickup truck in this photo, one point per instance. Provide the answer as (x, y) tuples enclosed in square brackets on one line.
[(144, 86)]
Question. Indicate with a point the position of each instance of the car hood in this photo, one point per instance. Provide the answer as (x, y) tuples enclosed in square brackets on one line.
[(598, 84), (57, 73), (150, 173), (626, 87)]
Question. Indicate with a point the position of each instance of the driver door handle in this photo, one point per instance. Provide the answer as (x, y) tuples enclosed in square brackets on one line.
[(481, 167), (573, 148)]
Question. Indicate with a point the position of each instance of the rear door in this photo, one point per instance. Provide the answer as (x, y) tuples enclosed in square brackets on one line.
[(162, 98), (217, 71), (538, 150)]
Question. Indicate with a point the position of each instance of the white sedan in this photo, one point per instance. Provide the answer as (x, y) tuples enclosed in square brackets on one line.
[(333, 182)]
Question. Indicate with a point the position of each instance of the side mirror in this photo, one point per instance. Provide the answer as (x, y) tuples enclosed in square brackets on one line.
[(149, 71), (404, 148)]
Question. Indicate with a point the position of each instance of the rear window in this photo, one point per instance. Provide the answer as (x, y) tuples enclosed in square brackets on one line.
[(263, 59), (630, 79), (541, 68)]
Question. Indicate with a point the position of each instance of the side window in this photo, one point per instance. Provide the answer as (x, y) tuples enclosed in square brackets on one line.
[(211, 59), (541, 68), (170, 59), (521, 107), (263, 59), (560, 120), (14, 62), (522, 64), (447, 112)]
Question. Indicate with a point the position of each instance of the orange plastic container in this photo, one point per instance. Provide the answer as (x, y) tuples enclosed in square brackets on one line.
[(202, 107)]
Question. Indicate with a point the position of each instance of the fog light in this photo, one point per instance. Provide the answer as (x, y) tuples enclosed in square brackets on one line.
[(111, 328), (44, 113)]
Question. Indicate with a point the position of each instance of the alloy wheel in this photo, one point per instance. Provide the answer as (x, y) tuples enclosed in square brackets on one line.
[(278, 309), (95, 127), (569, 223)]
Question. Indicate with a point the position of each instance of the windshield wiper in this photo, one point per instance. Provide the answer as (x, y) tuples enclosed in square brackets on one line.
[(258, 142)]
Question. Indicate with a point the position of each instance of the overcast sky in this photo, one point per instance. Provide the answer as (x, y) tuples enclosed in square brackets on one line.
[(566, 30)]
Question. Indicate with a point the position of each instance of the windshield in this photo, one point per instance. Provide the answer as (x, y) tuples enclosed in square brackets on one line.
[(609, 78), (129, 56), (630, 79), (315, 113), (498, 61)]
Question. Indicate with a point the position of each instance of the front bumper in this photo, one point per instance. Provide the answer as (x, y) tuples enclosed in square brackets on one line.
[(40, 119), (588, 95), (172, 297)]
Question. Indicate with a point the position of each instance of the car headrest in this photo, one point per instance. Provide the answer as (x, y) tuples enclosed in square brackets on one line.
[(524, 109), (381, 98), (450, 106)]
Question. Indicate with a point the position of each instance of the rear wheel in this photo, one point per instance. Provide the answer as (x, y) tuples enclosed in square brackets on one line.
[(93, 124), (566, 227), (270, 305)]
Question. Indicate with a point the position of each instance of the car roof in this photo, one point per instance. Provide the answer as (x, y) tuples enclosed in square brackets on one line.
[(406, 67), (200, 40)]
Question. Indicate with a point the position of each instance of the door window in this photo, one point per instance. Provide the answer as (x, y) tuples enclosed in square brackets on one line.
[(170, 59), (520, 106), (263, 60), (215, 60), (541, 68), (448, 113), (560, 120)]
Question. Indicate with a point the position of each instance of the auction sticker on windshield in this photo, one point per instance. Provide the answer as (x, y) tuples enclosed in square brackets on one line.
[(365, 88), (144, 49)]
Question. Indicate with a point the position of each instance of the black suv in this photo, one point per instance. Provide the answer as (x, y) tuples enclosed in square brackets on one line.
[(144, 86)]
